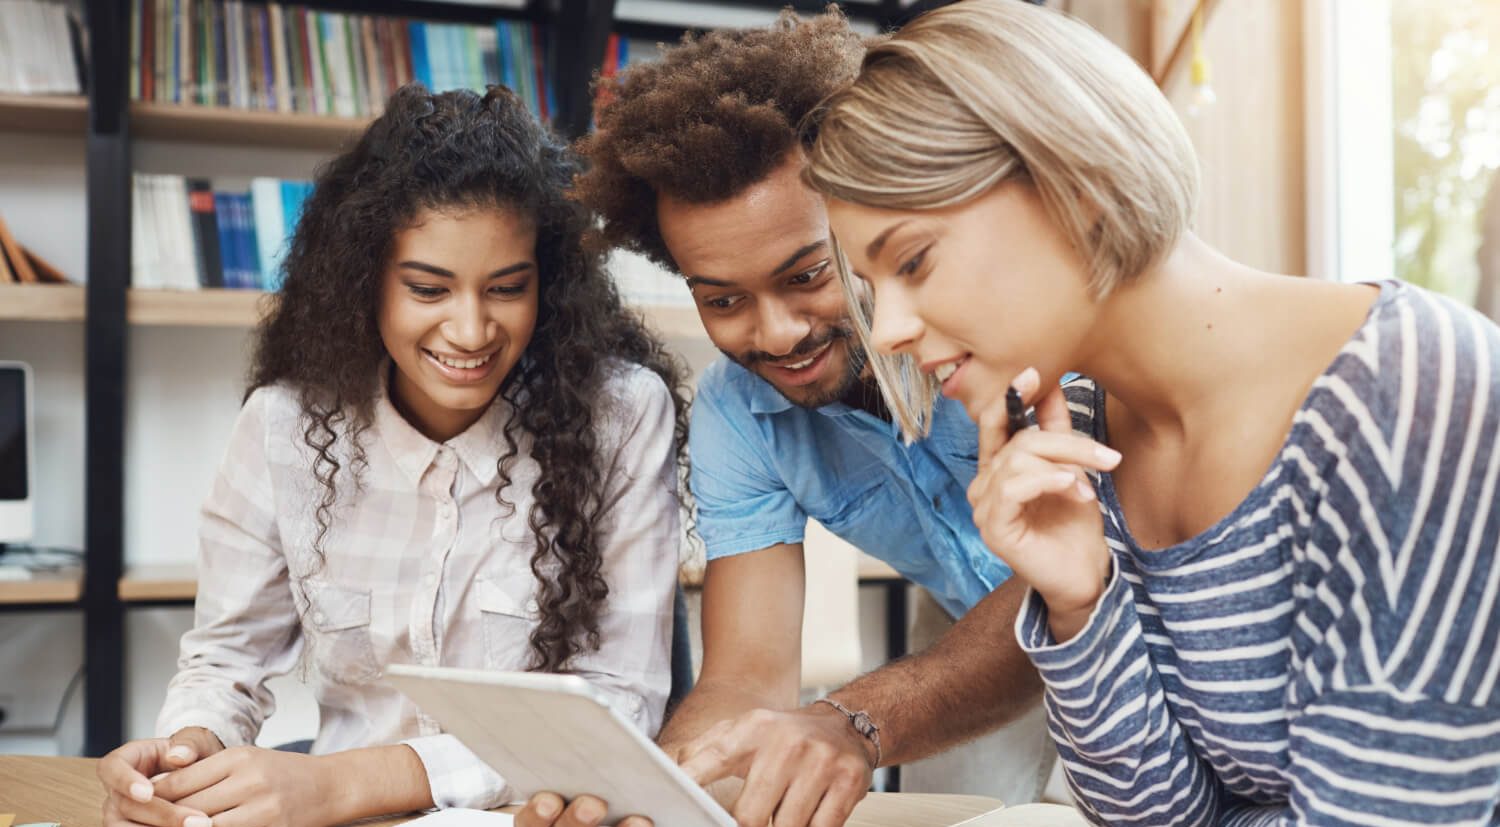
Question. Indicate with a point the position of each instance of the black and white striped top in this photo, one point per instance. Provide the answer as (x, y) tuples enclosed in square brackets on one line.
[(1327, 653)]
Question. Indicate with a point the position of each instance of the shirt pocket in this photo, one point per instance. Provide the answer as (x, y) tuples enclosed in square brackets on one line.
[(339, 622), (508, 613)]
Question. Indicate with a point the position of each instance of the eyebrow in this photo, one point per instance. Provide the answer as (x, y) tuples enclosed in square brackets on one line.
[(873, 251), (694, 281), (435, 270)]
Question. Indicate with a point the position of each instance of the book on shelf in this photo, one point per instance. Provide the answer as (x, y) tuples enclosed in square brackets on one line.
[(274, 57), (40, 48), (21, 265), (621, 51), (15, 262), (186, 235)]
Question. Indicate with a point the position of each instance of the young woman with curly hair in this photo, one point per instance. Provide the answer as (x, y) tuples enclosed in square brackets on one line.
[(457, 449)]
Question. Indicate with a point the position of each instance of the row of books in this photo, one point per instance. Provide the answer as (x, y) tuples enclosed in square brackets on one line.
[(186, 235), (40, 49), (283, 58)]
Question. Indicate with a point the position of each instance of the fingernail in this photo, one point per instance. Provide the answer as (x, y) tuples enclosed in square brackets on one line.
[(1086, 490), (1106, 453), (197, 821), (141, 791), (1028, 381), (180, 753), (546, 808), (590, 812)]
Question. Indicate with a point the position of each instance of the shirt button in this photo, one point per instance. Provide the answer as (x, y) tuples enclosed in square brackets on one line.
[(531, 606), (319, 618), (431, 578)]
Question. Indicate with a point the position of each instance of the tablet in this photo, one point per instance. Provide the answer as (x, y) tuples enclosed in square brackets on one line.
[(556, 733)]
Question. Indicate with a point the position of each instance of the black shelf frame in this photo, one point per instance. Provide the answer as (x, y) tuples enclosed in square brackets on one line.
[(105, 347)]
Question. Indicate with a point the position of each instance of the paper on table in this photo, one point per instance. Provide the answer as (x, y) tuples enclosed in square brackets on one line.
[(460, 817)]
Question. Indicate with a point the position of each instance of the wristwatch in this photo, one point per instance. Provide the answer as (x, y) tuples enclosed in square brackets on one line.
[(862, 723)]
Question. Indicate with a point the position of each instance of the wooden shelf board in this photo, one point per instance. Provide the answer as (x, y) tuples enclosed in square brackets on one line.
[(210, 307), (64, 586), (60, 114), (159, 582), (41, 302), (222, 125), (243, 308)]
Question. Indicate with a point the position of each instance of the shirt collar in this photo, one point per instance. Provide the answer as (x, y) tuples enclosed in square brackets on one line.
[(479, 447), (764, 399)]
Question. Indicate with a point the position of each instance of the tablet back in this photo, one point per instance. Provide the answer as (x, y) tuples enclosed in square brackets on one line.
[(556, 733)]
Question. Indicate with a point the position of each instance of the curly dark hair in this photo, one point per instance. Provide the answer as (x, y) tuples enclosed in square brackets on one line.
[(460, 149), (714, 116)]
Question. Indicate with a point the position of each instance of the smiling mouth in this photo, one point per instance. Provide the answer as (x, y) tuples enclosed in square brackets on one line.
[(943, 372), (461, 364), (808, 361)]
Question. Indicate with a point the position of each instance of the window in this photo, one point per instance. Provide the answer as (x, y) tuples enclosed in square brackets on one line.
[(1404, 142)]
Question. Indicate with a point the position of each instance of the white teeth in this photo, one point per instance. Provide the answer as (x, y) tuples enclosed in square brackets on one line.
[(808, 361), (461, 363), (944, 371)]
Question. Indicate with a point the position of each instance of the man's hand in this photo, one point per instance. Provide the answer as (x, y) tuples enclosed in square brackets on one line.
[(806, 768), (132, 799), (546, 810), (255, 787)]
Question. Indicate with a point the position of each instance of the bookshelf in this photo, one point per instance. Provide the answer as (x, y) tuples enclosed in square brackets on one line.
[(59, 114), (220, 125), (110, 123), (196, 308), (212, 307), (41, 303), (159, 584), (60, 588)]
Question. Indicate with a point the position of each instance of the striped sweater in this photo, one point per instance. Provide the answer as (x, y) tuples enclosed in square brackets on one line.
[(1329, 652)]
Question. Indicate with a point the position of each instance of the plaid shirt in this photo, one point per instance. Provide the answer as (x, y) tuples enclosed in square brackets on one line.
[(423, 565)]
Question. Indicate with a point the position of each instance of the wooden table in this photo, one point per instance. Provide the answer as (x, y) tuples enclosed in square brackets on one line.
[(67, 791)]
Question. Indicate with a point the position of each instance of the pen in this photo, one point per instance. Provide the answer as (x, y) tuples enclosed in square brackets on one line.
[(1015, 412)]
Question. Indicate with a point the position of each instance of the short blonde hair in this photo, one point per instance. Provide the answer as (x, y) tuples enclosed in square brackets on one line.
[(983, 92)]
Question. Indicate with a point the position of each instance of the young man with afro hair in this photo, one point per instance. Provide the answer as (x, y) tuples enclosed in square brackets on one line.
[(696, 162)]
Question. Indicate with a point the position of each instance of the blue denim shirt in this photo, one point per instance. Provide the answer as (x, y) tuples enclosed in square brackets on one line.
[(762, 466)]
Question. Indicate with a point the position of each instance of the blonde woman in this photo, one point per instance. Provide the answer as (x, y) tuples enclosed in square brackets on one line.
[(1261, 534)]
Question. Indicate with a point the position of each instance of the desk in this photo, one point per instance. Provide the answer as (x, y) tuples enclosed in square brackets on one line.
[(67, 791)]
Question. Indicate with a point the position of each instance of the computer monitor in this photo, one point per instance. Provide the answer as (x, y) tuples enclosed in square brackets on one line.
[(17, 447)]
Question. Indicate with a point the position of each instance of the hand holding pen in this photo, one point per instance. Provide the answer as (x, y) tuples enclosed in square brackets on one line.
[(1034, 505)]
